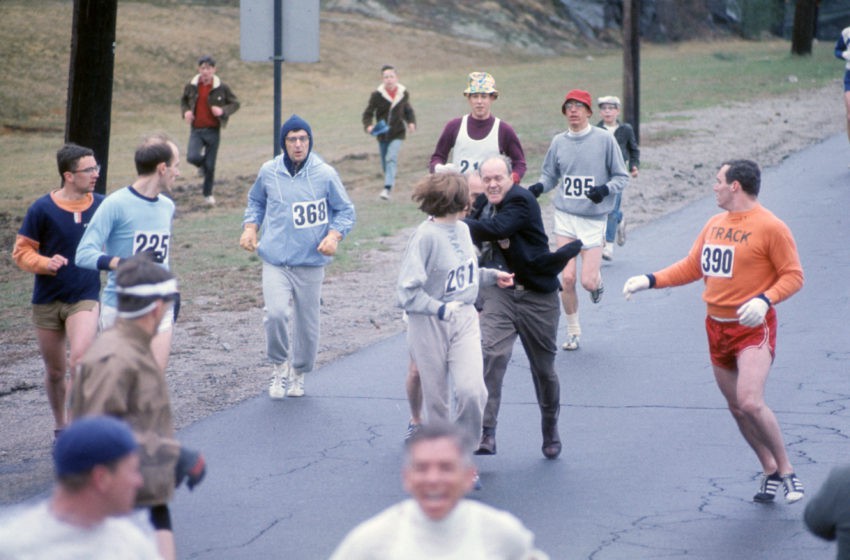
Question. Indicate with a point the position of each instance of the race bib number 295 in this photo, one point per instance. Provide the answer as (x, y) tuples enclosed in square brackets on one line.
[(310, 213), (576, 186), (717, 260)]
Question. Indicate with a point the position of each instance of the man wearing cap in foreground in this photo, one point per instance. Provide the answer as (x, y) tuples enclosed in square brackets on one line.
[(587, 166), (119, 376), (206, 104), (96, 462), (304, 211), (478, 135), (609, 106)]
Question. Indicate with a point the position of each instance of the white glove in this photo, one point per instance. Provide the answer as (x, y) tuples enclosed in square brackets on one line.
[(446, 168), (846, 55), (635, 284), (752, 313), (449, 310)]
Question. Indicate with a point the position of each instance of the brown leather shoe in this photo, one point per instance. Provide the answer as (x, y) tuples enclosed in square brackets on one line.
[(551, 440), (487, 446)]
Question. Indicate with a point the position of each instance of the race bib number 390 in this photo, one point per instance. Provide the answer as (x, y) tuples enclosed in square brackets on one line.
[(309, 214), (154, 242), (461, 278), (576, 186), (717, 260)]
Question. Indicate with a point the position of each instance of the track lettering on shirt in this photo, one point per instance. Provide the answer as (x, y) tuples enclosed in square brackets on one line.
[(157, 243), (717, 260), (461, 278), (310, 213), (576, 186)]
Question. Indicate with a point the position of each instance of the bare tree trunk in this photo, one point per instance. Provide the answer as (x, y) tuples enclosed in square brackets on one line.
[(804, 26)]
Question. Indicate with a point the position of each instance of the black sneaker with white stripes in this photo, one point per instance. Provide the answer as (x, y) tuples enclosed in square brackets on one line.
[(768, 487), (794, 490)]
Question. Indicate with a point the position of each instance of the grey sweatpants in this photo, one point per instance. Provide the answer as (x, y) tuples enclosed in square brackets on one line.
[(292, 294), (450, 352)]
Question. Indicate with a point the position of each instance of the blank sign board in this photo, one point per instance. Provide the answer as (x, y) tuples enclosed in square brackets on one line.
[(299, 26)]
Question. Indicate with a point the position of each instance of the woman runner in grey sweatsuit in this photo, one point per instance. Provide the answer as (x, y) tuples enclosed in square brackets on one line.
[(437, 287)]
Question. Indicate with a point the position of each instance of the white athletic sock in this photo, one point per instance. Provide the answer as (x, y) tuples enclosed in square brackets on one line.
[(573, 326)]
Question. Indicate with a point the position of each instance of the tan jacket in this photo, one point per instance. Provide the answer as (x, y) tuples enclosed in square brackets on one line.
[(119, 376)]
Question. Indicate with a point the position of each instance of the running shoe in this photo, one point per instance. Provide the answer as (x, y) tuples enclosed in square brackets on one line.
[(608, 251), (767, 488), (385, 194), (277, 390), (596, 295), (411, 429), (571, 343), (621, 232), (296, 384), (794, 491)]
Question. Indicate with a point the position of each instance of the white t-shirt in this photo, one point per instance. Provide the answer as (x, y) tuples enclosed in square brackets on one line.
[(36, 534), (472, 531)]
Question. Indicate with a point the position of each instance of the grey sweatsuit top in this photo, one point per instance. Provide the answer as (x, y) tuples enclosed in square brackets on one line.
[(574, 163), (440, 265)]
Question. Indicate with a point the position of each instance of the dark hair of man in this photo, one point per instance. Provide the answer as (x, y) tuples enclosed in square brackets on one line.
[(139, 269), (153, 151), (75, 482), (386, 67), (746, 172), (440, 430), (69, 155), (441, 194)]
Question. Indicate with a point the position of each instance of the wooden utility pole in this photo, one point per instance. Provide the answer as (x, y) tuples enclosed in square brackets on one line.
[(631, 64), (88, 113), (804, 27)]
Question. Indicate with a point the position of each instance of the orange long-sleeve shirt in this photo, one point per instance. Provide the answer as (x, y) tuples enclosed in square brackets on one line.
[(739, 255)]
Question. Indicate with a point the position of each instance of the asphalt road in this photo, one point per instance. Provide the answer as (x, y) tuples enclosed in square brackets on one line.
[(653, 465)]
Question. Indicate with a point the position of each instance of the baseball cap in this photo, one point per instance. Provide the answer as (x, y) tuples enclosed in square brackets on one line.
[(577, 95), (608, 100), (481, 82), (92, 441)]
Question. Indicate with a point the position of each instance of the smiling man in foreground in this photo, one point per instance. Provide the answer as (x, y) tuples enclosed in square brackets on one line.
[(437, 522)]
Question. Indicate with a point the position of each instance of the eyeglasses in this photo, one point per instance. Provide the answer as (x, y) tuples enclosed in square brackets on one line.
[(94, 169), (573, 104), (297, 139)]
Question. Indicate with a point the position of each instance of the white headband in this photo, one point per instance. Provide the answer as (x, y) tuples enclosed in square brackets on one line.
[(162, 289)]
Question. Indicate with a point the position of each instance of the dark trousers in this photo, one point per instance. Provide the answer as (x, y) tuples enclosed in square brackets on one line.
[(533, 316), (202, 152)]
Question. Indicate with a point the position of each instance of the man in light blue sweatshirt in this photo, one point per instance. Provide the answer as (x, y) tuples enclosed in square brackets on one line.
[(300, 210)]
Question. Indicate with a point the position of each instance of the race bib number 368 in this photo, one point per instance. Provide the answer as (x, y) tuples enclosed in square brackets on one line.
[(717, 260), (310, 213), (576, 186)]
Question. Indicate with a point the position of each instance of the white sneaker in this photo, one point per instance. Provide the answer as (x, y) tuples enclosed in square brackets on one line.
[(385, 194), (277, 388), (571, 343), (210, 200), (608, 252), (296, 384)]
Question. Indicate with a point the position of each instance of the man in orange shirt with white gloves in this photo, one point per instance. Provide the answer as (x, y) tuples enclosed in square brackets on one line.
[(748, 259)]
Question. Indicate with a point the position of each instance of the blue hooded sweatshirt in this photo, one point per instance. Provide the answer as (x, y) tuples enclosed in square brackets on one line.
[(295, 208)]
